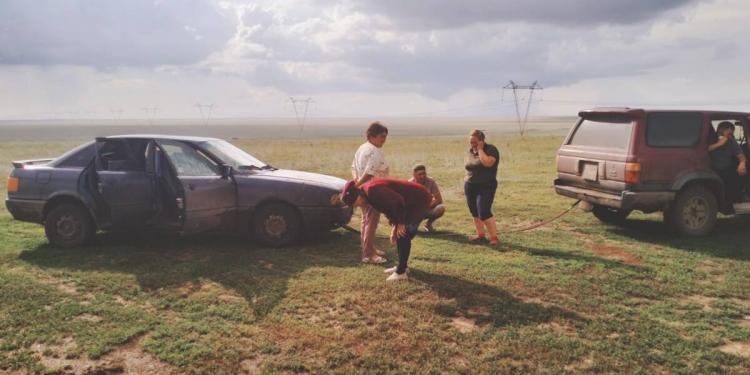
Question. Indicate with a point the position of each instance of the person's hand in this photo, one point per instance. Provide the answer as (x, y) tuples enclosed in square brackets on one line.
[(400, 230), (723, 140), (394, 235), (480, 145), (741, 169)]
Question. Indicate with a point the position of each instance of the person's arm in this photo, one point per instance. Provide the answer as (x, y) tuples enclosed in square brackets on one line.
[(721, 142), (742, 167), (487, 160), (437, 199), (364, 179)]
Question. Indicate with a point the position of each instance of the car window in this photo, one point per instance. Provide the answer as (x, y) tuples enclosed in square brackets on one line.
[(188, 161), (673, 129), (604, 131), (115, 155), (79, 158)]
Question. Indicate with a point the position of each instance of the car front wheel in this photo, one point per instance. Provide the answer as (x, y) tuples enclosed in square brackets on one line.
[(276, 225), (693, 212), (69, 225)]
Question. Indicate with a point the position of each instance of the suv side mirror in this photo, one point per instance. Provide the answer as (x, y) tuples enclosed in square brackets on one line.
[(226, 171)]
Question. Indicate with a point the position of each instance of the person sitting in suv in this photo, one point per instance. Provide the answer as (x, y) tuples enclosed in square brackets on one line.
[(723, 154)]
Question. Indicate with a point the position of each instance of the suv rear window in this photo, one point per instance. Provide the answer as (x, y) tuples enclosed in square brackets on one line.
[(604, 131), (673, 129)]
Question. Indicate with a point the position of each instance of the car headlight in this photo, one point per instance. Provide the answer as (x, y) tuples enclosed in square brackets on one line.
[(335, 200)]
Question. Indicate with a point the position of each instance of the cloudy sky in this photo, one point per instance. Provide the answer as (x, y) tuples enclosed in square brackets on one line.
[(105, 58)]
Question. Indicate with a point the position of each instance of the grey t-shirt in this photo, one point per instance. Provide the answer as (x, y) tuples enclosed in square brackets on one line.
[(476, 173), (723, 157)]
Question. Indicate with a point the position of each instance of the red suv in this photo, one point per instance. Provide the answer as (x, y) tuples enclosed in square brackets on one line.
[(617, 160)]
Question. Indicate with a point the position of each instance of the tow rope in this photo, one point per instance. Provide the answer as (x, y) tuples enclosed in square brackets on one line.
[(512, 230)]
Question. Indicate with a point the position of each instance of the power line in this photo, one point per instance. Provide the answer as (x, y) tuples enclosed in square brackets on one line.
[(150, 113), (205, 115)]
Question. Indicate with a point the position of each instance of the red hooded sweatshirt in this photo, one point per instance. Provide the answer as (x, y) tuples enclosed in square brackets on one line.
[(402, 202)]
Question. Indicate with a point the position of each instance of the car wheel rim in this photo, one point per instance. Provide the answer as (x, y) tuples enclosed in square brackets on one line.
[(695, 213), (68, 226), (276, 226)]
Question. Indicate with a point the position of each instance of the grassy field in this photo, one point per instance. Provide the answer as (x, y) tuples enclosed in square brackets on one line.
[(576, 296)]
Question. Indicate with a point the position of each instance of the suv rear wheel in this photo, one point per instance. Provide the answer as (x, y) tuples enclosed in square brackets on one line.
[(610, 215), (69, 225), (693, 212)]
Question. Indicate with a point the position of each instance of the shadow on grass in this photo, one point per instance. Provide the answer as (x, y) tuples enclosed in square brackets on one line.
[(487, 304), (549, 253), (730, 238), (258, 274)]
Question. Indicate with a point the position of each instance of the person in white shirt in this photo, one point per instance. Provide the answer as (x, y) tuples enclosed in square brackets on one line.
[(369, 163)]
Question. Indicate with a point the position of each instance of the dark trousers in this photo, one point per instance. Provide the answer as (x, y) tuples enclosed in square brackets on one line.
[(479, 198), (732, 184), (403, 245)]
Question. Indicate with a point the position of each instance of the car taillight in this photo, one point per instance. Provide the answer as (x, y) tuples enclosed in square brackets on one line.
[(632, 173), (13, 184)]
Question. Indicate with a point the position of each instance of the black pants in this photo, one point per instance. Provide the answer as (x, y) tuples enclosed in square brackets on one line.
[(479, 198), (732, 184), (404, 247)]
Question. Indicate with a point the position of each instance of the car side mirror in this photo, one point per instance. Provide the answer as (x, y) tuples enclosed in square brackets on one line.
[(226, 171)]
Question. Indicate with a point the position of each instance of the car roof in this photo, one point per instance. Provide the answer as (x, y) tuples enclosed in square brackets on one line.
[(163, 137), (640, 112)]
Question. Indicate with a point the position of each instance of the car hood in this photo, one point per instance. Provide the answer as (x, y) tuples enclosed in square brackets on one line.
[(307, 178)]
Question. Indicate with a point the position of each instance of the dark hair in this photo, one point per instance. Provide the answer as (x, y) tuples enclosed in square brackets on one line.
[(419, 167), (477, 133), (375, 129), (724, 125)]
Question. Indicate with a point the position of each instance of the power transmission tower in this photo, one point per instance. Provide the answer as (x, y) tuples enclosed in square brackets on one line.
[(150, 113), (116, 114), (518, 99), (301, 119), (205, 110)]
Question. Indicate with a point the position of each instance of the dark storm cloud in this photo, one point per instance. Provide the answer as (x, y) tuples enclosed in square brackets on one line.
[(107, 33), (436, 14)]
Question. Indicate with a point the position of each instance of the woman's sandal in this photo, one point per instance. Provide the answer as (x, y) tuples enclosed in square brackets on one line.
[(478, 239), (494, 241)]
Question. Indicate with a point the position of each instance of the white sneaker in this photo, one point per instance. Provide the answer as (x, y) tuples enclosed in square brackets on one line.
[(393, 269), (396, 277)]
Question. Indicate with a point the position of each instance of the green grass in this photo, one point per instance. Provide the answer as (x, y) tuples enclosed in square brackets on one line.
[(576, 296)]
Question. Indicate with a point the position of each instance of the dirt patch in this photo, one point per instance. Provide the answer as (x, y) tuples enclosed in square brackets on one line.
[(741, 349), (614, 252), (582, 365), (251, 365), (464, 325), (128, 358), (266, 265), (744, 322), (482, 311), (713, 270), (230, 298), (89, 318), (562, 328), (698, 299)]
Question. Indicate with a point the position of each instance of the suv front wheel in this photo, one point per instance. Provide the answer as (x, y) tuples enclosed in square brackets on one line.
[(693, 212)]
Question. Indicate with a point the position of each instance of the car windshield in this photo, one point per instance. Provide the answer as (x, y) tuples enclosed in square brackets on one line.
[(233, 155)]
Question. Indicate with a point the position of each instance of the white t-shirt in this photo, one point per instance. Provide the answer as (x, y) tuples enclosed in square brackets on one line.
[(369, 159)]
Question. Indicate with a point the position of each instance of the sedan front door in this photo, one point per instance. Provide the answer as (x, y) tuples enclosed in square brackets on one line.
[(209, 198)]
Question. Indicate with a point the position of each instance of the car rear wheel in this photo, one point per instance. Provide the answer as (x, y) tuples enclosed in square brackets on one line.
[(69, 225), (693, 212), (277, 225), (610, 215)]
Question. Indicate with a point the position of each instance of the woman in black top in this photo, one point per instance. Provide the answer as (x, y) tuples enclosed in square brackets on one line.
[(481, 182)]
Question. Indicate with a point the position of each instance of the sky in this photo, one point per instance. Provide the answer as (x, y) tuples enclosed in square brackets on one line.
[(356, 58)]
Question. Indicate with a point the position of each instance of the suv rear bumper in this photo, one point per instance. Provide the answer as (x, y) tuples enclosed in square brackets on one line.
[(647, 201)]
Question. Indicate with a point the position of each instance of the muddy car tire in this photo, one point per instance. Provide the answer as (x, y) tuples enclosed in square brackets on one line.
[(69, 225), (276, 225), (693, 212), (610, 215)]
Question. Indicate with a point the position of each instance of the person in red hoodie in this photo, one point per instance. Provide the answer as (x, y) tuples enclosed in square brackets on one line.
[(404, 203)]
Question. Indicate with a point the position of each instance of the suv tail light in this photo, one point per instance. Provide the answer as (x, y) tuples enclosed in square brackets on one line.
[(13, 184), (632, 173)]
